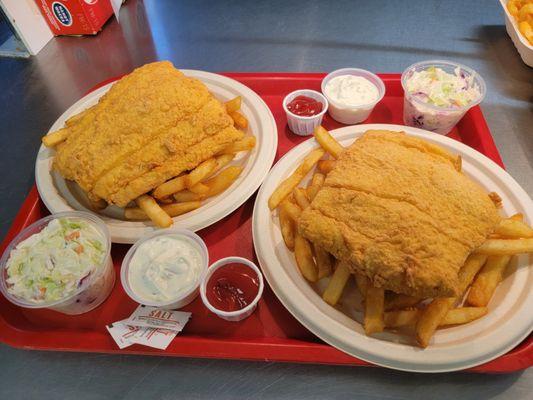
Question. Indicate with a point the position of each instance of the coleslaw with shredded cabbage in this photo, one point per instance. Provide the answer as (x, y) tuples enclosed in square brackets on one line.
[(437, 87), (52, 264)]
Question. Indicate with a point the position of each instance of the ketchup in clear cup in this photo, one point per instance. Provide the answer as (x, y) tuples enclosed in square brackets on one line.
[(232, 287), (304, 106)]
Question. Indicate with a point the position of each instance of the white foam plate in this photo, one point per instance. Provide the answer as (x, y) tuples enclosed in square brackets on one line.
[(508, 322), (59, 194)]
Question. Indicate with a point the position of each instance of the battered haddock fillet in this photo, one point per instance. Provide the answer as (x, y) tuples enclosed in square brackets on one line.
[(152, 125), (400, 212)]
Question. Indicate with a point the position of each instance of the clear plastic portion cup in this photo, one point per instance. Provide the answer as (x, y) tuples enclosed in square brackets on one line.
[(238, 315), (187, 295), (91, 293), (419, 114), (300, 125), (351, 115)]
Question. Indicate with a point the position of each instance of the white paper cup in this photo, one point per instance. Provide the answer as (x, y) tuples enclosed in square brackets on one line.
[(183, 299), (237, 315), (351, 115), (304, 126)]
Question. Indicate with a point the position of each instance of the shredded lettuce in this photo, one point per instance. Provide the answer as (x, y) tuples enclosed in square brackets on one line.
[(437, 87), (50, 265)]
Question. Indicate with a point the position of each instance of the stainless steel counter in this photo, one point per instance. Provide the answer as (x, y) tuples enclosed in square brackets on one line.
[(382, 36)]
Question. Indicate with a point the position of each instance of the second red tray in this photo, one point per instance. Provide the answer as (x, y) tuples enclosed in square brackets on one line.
[(271, 333)]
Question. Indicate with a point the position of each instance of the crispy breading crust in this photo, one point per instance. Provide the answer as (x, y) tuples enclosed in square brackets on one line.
[(150, 126), (401, 213)]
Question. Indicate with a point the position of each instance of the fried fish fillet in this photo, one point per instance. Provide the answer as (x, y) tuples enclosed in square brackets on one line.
[(400, 212), (152, 125)]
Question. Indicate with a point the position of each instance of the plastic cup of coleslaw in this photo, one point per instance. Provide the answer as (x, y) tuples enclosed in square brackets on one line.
[(47, 277), (436, 101)]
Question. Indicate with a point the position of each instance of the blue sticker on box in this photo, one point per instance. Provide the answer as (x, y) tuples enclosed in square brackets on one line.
[(62, 13)]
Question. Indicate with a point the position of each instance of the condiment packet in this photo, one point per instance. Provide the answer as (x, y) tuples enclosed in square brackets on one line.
[(123, 334), (153, 317), (154, 337)]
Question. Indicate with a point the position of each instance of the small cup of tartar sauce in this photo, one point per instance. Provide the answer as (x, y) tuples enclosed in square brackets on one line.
[(164, 269), (352, 94)]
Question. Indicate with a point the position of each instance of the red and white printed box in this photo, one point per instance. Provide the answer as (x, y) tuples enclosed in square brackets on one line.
[(75, 17)]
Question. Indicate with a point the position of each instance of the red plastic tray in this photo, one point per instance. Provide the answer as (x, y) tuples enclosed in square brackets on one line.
[(271, 333)]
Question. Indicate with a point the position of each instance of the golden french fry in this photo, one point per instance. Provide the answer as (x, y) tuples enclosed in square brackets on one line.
[(467, 273), (288, 185), (166, 200), (318, 179), (200, 188), (170, 187), (314, 186), (76, 118), (496, 199), (374, 309), (458, 163), (431, 318), (240, 120), (300, 195), (455, 316), (463, 315), (304, 258), (487, 280), (154, 211), (500, 247), (222, 161), (325, 166), (336, 285), (187, 195), (526, 29), (396, 319), (287, 228), (398, 301), (511, 228), (202, 171), (245, 144), (172, 210), (222, 181), (323, 261), (54, 138), (327, 142), (233, 104), (517, 217), (292, 210), (433, 314), (525, 11), (97, 204), (362, 283)]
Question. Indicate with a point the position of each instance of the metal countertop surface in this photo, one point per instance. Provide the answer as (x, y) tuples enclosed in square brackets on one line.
[(381, 36)]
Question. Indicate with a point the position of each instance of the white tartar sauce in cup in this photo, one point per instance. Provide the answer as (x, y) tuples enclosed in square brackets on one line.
[(351, 91), (164, 268)]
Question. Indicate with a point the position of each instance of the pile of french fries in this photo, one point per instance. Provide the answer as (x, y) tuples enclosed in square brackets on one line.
[(186, 192), (482, 272), (522, 12)]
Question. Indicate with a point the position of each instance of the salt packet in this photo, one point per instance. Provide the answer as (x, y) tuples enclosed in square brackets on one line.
[(158, 318), (122, 334), (154, 337)]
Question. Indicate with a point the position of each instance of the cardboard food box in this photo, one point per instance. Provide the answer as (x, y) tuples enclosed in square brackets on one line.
[(75, 17)]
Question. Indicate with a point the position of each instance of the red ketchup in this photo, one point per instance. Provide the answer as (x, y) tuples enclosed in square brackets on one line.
[(232, 287), (304, 106)]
